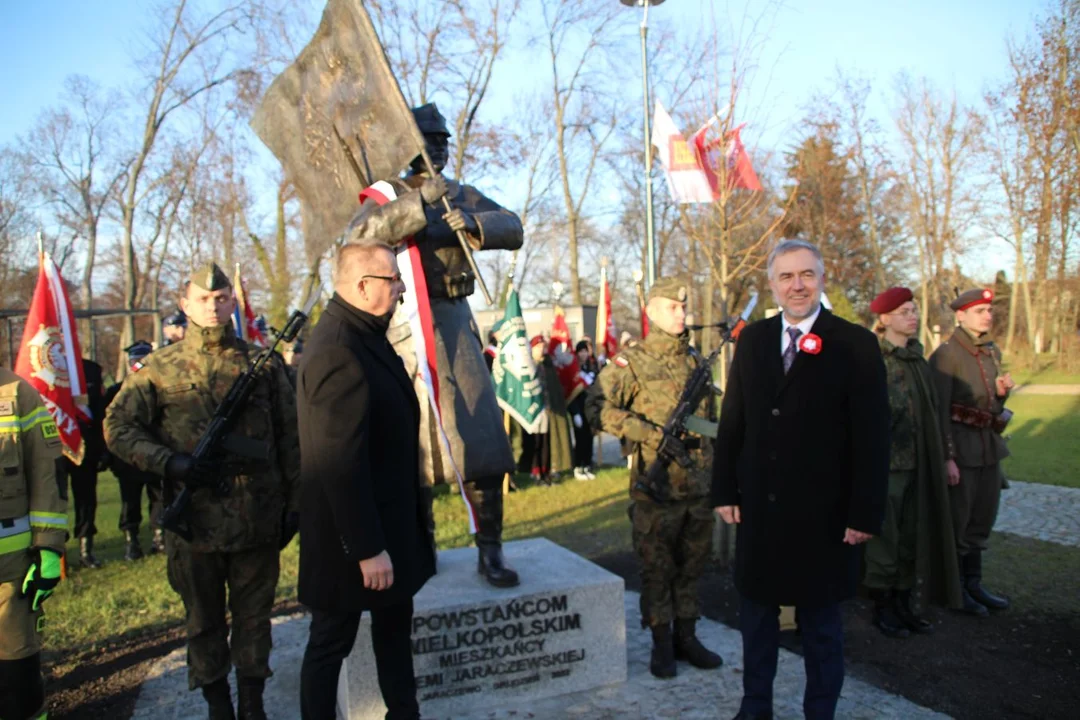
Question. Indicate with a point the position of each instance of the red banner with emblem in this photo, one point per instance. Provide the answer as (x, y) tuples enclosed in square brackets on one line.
[(50, 359)]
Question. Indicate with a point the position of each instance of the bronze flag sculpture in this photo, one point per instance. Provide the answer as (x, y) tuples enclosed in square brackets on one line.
[(338, 122)]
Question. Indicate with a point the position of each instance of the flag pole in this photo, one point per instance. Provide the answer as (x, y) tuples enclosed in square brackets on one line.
[(650, 240), (40, 247)]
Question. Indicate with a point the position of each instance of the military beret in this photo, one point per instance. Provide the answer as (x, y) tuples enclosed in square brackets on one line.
[(138, 349), (536, 340), (430, 120), (669, 288), (210, 277), (891, 299), (971, 298), (176, 319)]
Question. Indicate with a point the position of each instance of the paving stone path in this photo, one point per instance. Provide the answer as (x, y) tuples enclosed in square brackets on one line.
[(1048, 390), (1042, 512), (693, 695)]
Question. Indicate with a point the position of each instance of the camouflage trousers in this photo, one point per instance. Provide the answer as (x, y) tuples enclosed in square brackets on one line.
[(673, 542), (201, 580), (890, 556)]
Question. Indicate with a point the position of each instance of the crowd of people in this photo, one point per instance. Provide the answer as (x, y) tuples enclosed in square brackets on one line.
[(828, 438)]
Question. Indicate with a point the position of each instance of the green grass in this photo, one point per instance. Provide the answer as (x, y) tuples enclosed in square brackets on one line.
[(1046, 377), (124, 600), (1040, 578), (1043, 439)]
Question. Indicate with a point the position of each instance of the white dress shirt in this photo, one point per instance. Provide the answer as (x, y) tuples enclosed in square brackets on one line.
[(804, 325)]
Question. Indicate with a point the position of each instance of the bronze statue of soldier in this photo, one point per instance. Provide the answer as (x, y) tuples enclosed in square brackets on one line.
[(479, 449)]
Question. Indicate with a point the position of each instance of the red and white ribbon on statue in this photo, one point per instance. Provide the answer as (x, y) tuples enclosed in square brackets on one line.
[(417, 310)]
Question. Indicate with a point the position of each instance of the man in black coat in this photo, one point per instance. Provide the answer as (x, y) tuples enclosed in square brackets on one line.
[(802, 466), (364, 540)]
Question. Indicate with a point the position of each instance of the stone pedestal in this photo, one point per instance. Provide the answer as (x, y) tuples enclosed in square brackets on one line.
[(474, 646)]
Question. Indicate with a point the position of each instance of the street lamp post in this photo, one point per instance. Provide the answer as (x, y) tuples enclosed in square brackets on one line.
[(650, 239)]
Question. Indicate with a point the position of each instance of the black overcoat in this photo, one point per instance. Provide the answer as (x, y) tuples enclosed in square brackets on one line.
[(805, 456), (359, 443)]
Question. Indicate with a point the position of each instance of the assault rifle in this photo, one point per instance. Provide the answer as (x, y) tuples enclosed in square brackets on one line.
[(682, 420), (174, 517)]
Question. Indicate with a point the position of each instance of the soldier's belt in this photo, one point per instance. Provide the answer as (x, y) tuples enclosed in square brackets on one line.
[(979, 418)]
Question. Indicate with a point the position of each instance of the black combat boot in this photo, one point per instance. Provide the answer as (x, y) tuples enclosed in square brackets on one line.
[(488, 504), (970, 605), (690, 649), (973, 583), (249, 698), (217, 697), (86, 553), (662, 660), (157, 543), (913, 622), (885, 618), (133, 551)]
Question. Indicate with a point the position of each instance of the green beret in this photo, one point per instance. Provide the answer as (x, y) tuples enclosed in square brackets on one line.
[(669, 288), (971, 298), (210, 277)]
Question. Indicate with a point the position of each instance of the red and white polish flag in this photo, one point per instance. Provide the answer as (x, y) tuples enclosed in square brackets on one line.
[(50, 359)]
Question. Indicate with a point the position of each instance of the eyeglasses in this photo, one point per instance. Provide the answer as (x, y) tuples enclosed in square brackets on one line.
[(395, 278)]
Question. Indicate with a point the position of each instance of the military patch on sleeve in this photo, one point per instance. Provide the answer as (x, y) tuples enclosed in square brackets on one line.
[(49, 430), (137, 366), (621, 361)]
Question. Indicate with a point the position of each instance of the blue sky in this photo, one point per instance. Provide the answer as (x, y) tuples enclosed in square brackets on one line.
[(958, 44)]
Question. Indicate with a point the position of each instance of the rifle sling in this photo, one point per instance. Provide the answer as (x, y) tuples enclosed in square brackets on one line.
[(701, 426)]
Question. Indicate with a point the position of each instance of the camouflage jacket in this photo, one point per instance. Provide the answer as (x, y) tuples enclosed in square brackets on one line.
[(165, 407), (634, 395), (446, 269), (965, 374), (903, 455)]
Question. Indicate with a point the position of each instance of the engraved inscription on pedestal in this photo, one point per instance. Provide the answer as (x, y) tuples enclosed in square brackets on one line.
[(562, 630)]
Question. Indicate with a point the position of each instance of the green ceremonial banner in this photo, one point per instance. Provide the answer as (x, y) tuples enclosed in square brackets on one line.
[(517, 385)]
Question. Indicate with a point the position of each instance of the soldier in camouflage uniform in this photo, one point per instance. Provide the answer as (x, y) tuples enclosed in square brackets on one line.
[(914, 557), (155, 423), (632, 398), (33, 528), (972, 389)]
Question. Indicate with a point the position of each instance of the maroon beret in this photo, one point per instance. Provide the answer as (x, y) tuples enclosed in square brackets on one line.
[(889, 300)]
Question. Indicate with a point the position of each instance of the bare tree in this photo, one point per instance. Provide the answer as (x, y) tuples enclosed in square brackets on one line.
[(577, 33), (940, 140), (77, 168), (187, 60)]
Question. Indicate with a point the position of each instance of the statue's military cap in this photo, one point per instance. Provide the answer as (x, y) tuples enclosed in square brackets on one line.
[(210, 277), (669, 288), (430, 120), (971, 298)]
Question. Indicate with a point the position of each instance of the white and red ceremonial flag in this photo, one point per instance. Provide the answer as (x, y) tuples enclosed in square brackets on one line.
[(563, 357), (247, 328), (607, 340), (416, 309), (724, 156), (686, 181), (50, 359)]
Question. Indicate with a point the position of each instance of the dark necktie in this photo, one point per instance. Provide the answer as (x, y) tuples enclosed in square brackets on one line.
[(789, 353)]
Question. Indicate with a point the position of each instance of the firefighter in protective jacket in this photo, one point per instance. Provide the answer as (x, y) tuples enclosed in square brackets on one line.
[(33, 529)]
